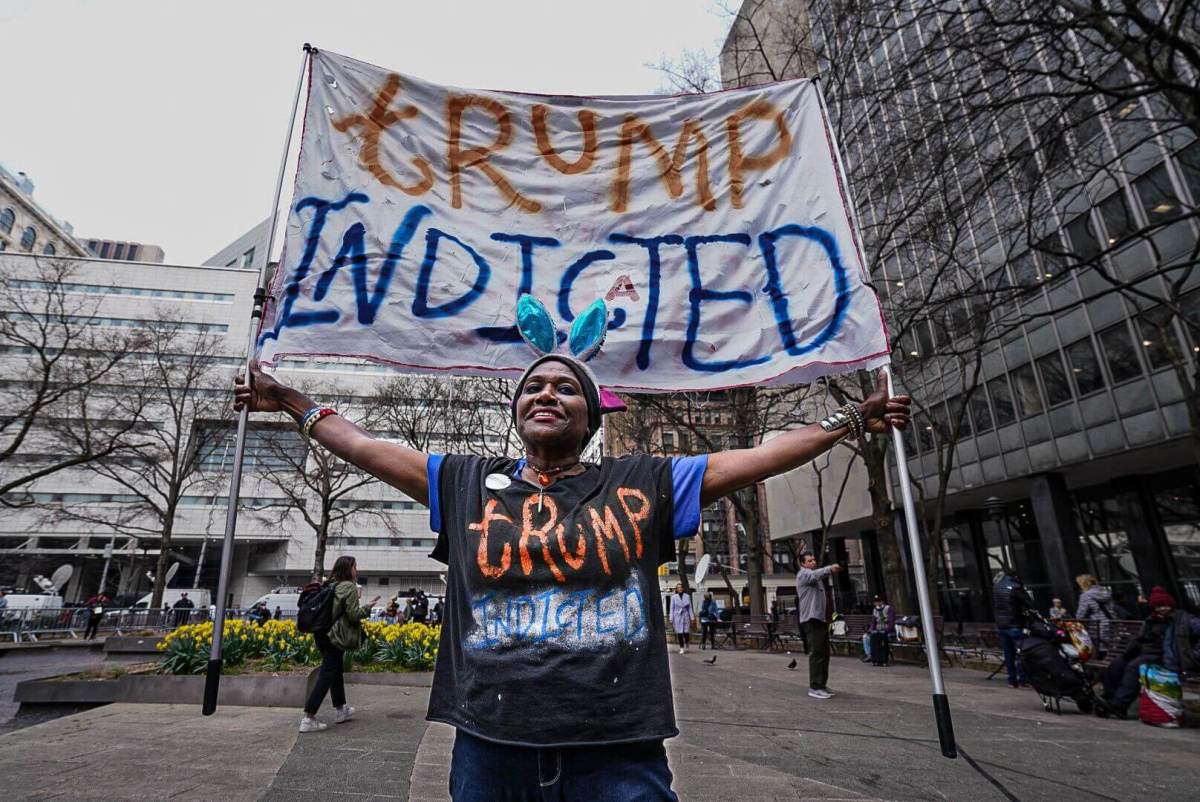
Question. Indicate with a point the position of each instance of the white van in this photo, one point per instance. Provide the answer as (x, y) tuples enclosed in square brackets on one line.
[(287, 602), (197, 596), (33, 601)]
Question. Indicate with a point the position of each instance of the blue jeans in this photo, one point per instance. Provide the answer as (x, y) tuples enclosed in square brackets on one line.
[(483, 771), (1008, 639)]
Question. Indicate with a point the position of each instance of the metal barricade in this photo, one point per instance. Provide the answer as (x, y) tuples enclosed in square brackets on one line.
[(71, 623)]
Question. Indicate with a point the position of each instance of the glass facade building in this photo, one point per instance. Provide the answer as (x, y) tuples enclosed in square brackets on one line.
[(1075, 453)]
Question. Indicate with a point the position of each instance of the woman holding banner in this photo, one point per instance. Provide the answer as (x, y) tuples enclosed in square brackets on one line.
[(552, 664)]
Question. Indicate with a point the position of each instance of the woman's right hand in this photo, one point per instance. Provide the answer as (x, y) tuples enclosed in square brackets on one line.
[(262, 394)]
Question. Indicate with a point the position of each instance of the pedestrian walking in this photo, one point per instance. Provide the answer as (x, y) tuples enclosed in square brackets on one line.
[(95, 615), (420, 607), (814, 604), (681, 617), (552, 664), (1011, 604), (278, 614), (183, 608), (438, 609), (710, 614), (344, 636)]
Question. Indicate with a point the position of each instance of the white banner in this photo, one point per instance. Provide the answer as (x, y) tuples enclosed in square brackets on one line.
[(715, 227)]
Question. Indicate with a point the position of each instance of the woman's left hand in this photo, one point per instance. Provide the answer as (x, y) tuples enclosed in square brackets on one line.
[(882, 412)]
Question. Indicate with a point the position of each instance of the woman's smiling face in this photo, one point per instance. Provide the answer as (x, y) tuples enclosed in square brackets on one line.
[(551, 408)]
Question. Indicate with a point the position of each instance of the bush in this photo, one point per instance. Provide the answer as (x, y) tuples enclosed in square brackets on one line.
[(278, 645)]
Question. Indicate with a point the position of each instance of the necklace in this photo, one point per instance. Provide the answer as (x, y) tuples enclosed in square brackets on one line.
[(546, 477)]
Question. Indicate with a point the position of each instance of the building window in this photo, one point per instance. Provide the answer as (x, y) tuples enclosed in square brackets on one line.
[(1029, 400), (1054, 378), (1083, 239), (49, 249), (396, 542), (1002, 401), (980, 411), (1157, 196), (1118, 221), (668, 440), (248, 258), (1085, 368), (7, 219), (1189, 165), (105, 248), (132, 254), (28, 238), (119, 251), (1158, 337), (232, 263), (1119, 353), (384, 581)]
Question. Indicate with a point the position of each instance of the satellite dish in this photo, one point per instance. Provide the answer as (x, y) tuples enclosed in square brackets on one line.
[(60, 577), (702, 570), (43, 583), (174, 569)]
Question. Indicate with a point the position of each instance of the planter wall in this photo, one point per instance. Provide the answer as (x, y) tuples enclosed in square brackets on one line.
[(259, 690), (128, 644)]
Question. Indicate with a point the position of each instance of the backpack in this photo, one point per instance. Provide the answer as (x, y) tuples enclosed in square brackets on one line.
[(315, 609)]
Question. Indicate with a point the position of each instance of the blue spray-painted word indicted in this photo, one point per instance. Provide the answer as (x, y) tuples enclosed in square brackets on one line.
[(577, 619), (351, 256)]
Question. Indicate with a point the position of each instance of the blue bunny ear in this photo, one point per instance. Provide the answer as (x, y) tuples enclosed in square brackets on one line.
[(535, 325), (587, 334)]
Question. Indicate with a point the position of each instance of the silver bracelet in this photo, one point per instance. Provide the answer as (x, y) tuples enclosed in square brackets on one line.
[(849, 417)]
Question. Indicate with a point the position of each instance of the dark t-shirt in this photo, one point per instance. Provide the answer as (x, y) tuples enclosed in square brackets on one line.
[(552, 633)]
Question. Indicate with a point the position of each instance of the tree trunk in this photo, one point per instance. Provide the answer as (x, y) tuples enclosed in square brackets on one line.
[(895, 582), (747, 509), (164, 556), (319, 552), (682, 547)]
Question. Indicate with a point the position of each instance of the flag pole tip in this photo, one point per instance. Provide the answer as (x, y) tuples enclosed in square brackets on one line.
[(308, 48)]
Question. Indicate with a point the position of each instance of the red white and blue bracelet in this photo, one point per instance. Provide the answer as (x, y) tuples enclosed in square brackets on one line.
[(310, 418)]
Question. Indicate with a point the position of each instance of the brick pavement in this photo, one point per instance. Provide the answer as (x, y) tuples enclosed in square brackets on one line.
[(748, 731)]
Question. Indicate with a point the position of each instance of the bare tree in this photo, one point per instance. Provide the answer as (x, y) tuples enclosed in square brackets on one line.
[(433, 413), (62, 409), (325, 492), (179, 398)]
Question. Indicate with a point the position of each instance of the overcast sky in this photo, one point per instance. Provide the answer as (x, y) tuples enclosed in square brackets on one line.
[(162, 122)]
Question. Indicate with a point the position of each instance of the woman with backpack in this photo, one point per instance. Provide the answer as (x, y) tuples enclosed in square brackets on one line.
[(345, 635), (552, 665)]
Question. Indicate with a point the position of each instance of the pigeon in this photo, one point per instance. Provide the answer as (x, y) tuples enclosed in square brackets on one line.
[(713, 661), (792, 665)]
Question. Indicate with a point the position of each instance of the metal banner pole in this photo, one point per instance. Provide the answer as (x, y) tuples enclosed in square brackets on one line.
[(941, 705), (212, 681), (933, 654)]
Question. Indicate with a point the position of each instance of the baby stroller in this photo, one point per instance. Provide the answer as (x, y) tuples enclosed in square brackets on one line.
[(1051, 664)]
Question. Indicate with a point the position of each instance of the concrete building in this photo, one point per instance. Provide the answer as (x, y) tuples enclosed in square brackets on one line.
[(247, 252), (123, 250), (26, 227), (1077, 455), (391, 546)]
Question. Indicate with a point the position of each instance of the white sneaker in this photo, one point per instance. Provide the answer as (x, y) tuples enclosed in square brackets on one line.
[(819, 693), (311, 725), (343, 714), (681, 650)]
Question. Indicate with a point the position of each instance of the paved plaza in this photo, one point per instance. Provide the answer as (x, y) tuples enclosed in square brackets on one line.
[(749, 732)]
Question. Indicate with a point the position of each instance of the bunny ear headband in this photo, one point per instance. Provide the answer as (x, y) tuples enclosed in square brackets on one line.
[(585, 340)]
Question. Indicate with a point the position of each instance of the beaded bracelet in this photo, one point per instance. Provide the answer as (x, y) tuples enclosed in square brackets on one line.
[(312, 416)]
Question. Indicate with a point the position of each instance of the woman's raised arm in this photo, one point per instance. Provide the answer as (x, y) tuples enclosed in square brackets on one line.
[(732, 470), (401, 467)]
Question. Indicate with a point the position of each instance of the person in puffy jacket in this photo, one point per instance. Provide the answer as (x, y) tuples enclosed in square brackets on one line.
[(344, 636), (1011, 604), (1096, 601), (1169, 637)]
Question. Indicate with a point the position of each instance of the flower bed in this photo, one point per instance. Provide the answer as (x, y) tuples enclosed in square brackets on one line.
[(277, 646)]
